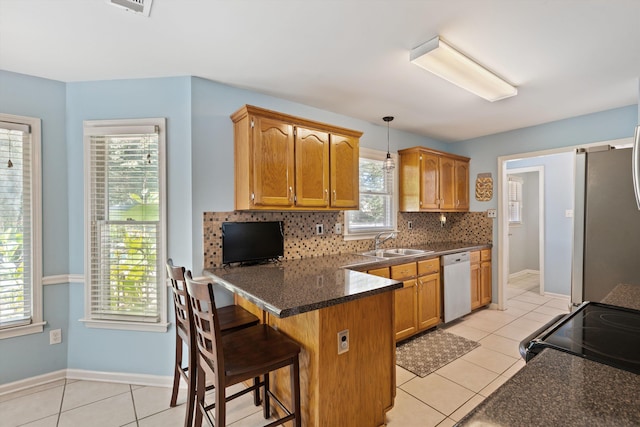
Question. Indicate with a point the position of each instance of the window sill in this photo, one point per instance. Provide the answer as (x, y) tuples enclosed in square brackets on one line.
[(126, 326), (366, 236), (17, 331)]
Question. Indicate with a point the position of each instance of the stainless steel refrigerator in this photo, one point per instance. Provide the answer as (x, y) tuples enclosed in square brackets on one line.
[(606, 224)]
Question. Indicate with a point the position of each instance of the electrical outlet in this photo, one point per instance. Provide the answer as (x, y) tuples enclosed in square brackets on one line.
[(410, 225), (55, 336), (491, 213), (319, 229), (338, 228), (343, 341)]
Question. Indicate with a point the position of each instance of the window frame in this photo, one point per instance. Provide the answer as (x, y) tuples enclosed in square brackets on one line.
[(519, 182), (125, 324), (372, 154), (37, 322)]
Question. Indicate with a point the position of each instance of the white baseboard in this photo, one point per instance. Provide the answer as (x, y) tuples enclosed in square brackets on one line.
[(523, 273), (33, 381), (562, 296), (81, 374)]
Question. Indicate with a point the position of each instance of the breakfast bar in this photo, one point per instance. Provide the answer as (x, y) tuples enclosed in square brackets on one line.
[(317, 301)]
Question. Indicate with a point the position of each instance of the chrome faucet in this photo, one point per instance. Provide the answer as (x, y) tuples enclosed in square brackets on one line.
[(377, 241)]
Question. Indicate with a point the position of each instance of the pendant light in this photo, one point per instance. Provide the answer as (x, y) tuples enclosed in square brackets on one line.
[(388, 164)]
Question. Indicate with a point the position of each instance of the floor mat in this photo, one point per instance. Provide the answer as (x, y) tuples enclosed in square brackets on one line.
[(432, 350)]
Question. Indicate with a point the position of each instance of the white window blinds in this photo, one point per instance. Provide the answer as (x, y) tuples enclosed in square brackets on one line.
[(125, 223), (377, 210), (16, 294), (515, 200)]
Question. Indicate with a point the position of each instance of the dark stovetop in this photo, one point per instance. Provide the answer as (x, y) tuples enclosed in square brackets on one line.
[(600, 332)]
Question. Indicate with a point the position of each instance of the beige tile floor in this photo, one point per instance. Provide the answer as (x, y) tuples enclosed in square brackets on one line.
[(440, 399)]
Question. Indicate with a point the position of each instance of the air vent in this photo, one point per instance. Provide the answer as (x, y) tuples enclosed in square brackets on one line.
[(142, 7)]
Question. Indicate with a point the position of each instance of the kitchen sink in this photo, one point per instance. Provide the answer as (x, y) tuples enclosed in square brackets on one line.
[(395, 252)]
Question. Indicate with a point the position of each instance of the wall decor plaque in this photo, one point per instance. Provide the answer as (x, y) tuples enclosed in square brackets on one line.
[(484, 187)]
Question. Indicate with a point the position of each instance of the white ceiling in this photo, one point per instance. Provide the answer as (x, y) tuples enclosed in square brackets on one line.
[(567, 57)]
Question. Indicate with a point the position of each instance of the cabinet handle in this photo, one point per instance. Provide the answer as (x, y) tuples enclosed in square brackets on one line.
[(326, 195), (290, 194), (334, 195)]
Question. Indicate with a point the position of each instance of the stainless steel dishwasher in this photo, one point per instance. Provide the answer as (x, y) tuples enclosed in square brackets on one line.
[(456, 276)]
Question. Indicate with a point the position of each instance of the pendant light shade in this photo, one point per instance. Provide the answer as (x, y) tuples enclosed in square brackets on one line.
[(388, 164)]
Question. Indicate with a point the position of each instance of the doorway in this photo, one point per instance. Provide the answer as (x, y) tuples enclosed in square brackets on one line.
[(525, 253)]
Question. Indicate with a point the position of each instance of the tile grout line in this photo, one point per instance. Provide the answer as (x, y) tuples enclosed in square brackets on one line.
[(133, 402), (64, 389)]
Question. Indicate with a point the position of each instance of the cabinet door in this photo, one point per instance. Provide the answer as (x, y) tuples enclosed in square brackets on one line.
[(485, 282), (475, 285), (312, 168), (429, 181), (272, 158), (405, 310), (462, 184), (447, 183), (428, 301), (345, 178)]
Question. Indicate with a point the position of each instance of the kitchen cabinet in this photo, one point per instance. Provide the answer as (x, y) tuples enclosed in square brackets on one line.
[(429, 300), (406, 300), (433, 181), (284, 162), (480, 278), (381, 272), (418, 304)]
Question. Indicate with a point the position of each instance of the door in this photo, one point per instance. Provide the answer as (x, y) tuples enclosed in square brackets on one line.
[(405, 309), (428, 301), (462, 184), (312, 168), (447, 183), (345, 177), (272, 162), (429, 181)]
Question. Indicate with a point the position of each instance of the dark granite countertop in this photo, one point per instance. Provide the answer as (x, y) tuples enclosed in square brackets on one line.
[(297, 286), (624, 295), (556, 388)]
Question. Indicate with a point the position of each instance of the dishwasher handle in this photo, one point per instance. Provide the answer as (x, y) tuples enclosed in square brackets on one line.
[(454, 258)]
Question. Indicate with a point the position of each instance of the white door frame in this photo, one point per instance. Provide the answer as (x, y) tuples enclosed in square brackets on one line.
[(505, 218)]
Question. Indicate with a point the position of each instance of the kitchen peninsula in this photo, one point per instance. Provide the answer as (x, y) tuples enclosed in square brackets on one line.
[(312, 300)]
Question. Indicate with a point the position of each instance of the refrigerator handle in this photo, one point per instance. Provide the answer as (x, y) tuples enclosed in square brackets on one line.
[(636, 165)]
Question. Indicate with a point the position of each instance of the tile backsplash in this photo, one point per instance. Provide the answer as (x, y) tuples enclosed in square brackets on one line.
[(301, 241)]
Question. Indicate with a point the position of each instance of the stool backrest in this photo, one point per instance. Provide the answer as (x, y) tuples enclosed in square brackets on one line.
[(180, 298), (206, 323)]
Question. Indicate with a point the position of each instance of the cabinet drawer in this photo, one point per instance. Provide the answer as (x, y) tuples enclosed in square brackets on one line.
[(474, 257), (382, 272), (428, 266), (403, 271), (485, 254)]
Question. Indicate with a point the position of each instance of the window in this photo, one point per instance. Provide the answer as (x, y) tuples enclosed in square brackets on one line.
[(515, 200), (377, 198), (20, 228), (125, 224)]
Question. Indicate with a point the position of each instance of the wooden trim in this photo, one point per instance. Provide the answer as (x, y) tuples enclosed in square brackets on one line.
[(298, 121), (431, 150)]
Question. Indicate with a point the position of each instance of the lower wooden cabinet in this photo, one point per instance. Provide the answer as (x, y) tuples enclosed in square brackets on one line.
[(480, 278), (418, 304)]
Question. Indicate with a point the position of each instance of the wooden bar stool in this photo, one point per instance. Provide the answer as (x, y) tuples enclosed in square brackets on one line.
[(237, 357), (232, 318)]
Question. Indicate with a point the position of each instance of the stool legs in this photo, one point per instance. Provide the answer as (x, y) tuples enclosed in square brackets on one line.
[(176, 373), (295, 390)]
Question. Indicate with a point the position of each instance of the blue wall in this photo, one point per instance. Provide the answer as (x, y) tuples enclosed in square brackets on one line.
[(45, 99)]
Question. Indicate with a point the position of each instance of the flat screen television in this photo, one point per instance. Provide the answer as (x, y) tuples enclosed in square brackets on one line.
[(252, 242)]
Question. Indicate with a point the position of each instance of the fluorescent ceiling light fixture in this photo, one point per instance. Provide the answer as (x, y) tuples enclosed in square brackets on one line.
[(446, 62)]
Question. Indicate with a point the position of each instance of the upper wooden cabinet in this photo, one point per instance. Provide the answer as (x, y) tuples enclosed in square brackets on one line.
[(433, 181), (284, 162)]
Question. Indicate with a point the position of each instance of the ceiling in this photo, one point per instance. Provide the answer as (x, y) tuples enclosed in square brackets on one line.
[(567, 58)]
